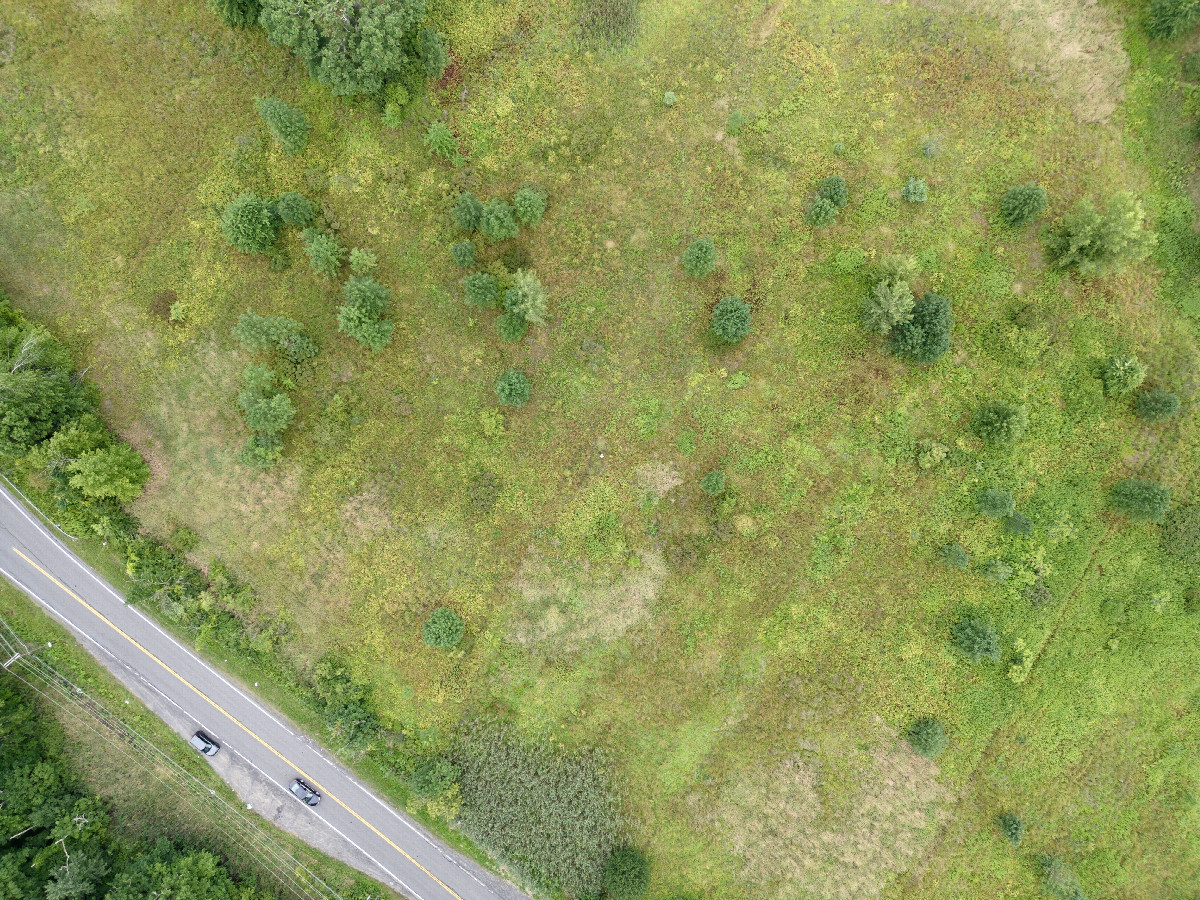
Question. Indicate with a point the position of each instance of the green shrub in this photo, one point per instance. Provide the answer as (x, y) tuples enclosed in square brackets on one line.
[(288, 125), (1156, 405), (834, 190), (927, 737), (325, 254), (529, 205), (432, 53), (997, 570), (237, 13), (713, 483), (268, 411), (363, 262), (1059, 879), (669, 99), (731, 319), (512, 326), (361, 316), (607, 24), (295, 209), (975, 638), (893, 268), (512, 388), (735, 123), (1180, 535), (1140, 499), (443, 629), (251, 224), (116, 472), (821, 213), (396, 99), (434, 776), (1000, 424), (700, 257), (1122, 375), (467, 212), (1091, 242), (279, 333), (1021, 204), (1011, 827), (480, 289), (527, 298), (463, 254), (995, 503), (627, 875), (497, 222), (1168, 19), (440, 140), (925, 337), (954, 555), (889, 304), (1016, 523), (915, 190)]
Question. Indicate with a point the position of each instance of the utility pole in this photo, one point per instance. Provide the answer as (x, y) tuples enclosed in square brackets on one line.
[(22, 655)]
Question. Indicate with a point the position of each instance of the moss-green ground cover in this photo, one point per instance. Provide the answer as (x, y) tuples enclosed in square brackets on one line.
[(749, 659)]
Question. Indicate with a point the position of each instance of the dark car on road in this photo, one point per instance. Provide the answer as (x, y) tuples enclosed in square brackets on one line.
[(304, 792), (204, 744)]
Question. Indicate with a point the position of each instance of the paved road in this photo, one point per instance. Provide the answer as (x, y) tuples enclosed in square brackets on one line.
[(351, 822)]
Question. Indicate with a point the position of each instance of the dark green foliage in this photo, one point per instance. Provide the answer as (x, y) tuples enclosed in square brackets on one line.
[(350, 46), (1156, 405), (926, 336), (512, 326), (443, 629), (975, 638), (834, 190), (1018, 524), (463, 254), (549, 812), (1092, 242), (484, 491), (1000, 424), (361, 316), (915, 190), (480, 289), (529, 205), (439, 140), (268, 411), (1039, 595), (889, 304), (1021, 204), (927, 737), (1180, 534), (1168, 19), (280, 334), (607, 24), (954, 555), (1122, 375), (700, 257), (731, 319), (627, 874), (434, 776), (251, 224), (995, 503), (713, 483), (467, 212), (295, 209), (735, 123), (345, 703), (432, 52), (117, 472), (515, 257), (237, 13), (512, 388), (821, 213), (497, 222), (1011, 827), (325, 254), (1059, 879), (288, 125), (1137, 498)]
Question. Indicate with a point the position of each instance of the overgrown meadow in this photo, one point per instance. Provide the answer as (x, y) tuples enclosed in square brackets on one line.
[(740, 570)]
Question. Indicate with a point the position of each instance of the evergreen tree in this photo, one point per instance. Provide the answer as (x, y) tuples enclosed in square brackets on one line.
[(731, 320), (1021, 204), (1092, 242), (250, 224), (889, 304), (925, 337), (288, 125), (361, 316), (700, 257), (325, 254)]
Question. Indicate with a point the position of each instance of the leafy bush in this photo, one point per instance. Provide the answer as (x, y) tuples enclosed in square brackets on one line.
[(443, 629), (432, 52), (1093, 242), (821, 213), (325, 254), (1000, 424), (497, 222), (1180, 535), (1122, 375), (512, 388), (268, 411), (1138, 498), (889, 304), (1168, 19), (118, 472), (1021, 204), (713, 483), (894, 268), (925, 337), (915, 190), (250, 224), (997, 570), (1156, 405), (529, 205), (975, 638), (1059, 879), (834, 190), (467, 212), (463, 254), (735, 122), (731, 319), (440, 140), (549, 812), (927, 737), (281, 333), (627, 875), (512, 326), (699, 257), (995, 503), (295, 209), (288, 125), (480, 289), (1016, 523), (1038, 594), (608, 24), (361, 316), (363, 262), (237, 13), (527, 298), (1011, 827), (954, 555)]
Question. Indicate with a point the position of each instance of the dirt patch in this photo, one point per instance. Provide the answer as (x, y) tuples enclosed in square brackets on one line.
[(658, 479), (764, 26)]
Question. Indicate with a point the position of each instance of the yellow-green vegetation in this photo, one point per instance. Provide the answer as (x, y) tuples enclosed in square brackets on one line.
[(745, 569)]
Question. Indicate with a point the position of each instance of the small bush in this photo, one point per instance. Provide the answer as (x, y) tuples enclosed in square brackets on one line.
[(893, 268), (1018, 524), (1168, 19), (915, 190), (1011, 827), (463, 254), (363, 262), (439, 140), (1059, 879), (925, 337), (497, 222), (834, 190), (295, 209), (325, 254), (995, 503), (954, 555), (237, 13), (1137, 498), (1000, 424), (527, 298), (395, 100), (512, 326), (1091, 242), (821, 213), (1122, 375), (1038, 595), (669, 99), (997, 570), (480, 289), (975, 638), (361, 316), (287, 125), (700, 257), (713, 483), (627, 875), (467, 212), (889, 304), (927, 737), (1180, 535), (529, 204), (1156, 405), (512, 388), (735, 123), (1022, 204), (731, 320), (251, 224), (443, 629)]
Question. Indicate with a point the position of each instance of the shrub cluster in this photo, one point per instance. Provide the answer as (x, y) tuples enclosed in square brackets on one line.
[(927, 737), (463, 254), (1168, 19), (1156, 405), (325, 254), (889, 304), (268, 411), (924, 337), (361, 316), (512, 388), (1180, 534), (1140, 499), (440, 140), (832, 195), (295, 209), (915, 190), (251, 224), (1000, 424), (1092, 242), (1122, 375), (279, 334), (995, 503), (288, 125), (627, 875), (975, 638)]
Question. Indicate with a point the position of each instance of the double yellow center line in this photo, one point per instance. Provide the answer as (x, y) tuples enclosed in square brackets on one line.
[(199, 693)]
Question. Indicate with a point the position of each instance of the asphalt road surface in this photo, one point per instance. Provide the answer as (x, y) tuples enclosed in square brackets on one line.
[(261, 752)]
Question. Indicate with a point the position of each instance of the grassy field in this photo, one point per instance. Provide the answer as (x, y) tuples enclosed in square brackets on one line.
[(748, 662)]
